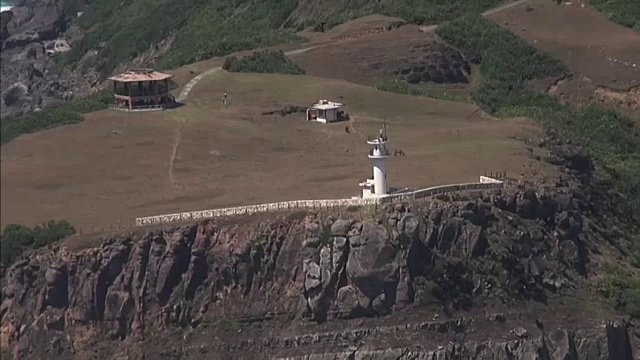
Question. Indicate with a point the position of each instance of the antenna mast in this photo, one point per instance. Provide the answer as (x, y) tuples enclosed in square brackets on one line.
[(384, 126)]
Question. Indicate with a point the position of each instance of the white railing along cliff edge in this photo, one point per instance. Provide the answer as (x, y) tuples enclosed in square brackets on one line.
[(484, 184)]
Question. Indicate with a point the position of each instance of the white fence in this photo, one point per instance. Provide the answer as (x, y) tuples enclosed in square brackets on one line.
[(484, 184), (252, 209), (136, 108)]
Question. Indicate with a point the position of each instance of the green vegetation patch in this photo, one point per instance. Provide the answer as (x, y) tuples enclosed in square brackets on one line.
[(426, 12), (624, 12), (269, 61), (120, 31), (508, 62), (17, 239), (622, 290), (420, 12), (70, 113)]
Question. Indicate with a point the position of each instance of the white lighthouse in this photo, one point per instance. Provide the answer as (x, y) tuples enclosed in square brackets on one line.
[(377, 187)]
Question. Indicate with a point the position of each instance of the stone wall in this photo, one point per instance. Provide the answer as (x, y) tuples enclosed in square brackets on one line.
[(485, 183)]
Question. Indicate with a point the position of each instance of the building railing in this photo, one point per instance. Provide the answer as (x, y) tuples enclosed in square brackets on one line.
[(136, 108), (381, 152), (161, 91), (485, 183)]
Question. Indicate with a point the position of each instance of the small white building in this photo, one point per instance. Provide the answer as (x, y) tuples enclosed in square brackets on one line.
[(325, 112), (377, 186)]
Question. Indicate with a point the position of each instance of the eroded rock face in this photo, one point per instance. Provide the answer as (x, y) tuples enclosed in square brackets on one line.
[(439, 64), (320, 269)]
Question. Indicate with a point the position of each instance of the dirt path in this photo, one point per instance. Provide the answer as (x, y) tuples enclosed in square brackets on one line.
[(496, 9), (187, 88)]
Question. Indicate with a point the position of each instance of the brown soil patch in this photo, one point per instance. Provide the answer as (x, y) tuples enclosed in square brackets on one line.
[(582, 38), (203, 156), (367, 59)]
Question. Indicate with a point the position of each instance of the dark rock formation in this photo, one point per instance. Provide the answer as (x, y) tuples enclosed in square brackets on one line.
[(440, 64), (451, 252), (31, 79)]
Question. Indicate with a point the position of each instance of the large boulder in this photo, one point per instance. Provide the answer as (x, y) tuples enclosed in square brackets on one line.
[(372, 266), (413, 78)]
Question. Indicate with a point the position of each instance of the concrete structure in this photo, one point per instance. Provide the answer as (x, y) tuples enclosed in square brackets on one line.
[(326, 112), (377, 187), (485, 183), (141, 90), (56, 46)]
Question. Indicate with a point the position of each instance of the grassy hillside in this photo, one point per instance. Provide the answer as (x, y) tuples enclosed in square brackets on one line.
[(268, 61), (507, 62), (120, 31), (624, 12)]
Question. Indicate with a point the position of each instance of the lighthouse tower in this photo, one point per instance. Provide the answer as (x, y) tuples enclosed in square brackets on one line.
[(377, 187)]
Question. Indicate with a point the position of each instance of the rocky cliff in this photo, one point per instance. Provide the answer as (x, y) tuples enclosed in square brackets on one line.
[(454, 278), (31, 33)]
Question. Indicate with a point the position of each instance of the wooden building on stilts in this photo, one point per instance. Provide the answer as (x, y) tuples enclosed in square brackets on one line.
[(141, 90)]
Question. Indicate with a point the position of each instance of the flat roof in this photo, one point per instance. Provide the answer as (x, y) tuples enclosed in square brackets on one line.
[(326, 105), (140, 75)]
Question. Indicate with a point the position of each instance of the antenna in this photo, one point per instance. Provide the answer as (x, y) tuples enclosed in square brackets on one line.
[(384, 127)]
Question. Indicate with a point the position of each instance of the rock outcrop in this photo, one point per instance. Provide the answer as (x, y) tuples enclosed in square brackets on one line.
[(439, 64), (31, 78), (503, 247)]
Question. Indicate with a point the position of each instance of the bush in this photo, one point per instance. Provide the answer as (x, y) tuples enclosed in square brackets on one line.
[(70, 113), (508, 63), (16, 239), (275, 62), (622, 290), (624, 12)]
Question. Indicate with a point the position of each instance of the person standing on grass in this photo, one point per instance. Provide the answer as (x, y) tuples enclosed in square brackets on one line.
[(224, 98)]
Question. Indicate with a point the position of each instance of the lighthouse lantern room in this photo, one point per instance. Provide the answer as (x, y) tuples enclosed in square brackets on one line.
[(377, 187)]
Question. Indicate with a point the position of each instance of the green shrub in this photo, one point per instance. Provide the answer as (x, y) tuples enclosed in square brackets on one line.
[(16, 239), (622, 290), (70, 113), (326, 239), (624, 12), (269, 61), (507, 63)]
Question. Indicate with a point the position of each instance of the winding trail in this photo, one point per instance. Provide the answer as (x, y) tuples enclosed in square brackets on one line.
[(187, 88)]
